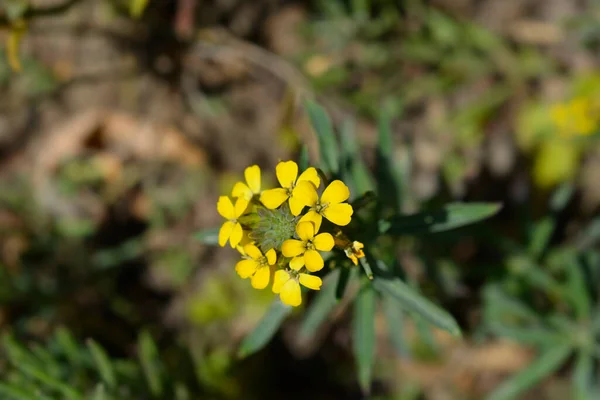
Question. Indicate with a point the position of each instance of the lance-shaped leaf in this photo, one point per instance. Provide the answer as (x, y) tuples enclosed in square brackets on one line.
[(451, 216), (321, 307), (105, 367), (208, 236), (364, 335), (353, 169), (148, 354), (328, 148), (266, 329)]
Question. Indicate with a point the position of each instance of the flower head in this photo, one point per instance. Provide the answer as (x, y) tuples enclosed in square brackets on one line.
[(305, 251), (354, 251), (287, 172), (331, 204), (256, 265), (287, 285), (231, 230), (251, 187)]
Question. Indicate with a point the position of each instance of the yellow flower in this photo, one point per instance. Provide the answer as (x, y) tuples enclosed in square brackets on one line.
[(231, 230), (304, 251), (354, 251), (331, 205), (256, 265), (252, 185), (287, 285), (286, 175)]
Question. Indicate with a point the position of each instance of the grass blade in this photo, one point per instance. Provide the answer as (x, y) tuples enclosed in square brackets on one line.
[(394, 317), (105, 368), (266, 329), (148, 355), (364, 335), (319, 310)]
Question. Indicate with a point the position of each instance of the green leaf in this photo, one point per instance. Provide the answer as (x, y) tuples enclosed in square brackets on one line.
[(68, 344), (453, 215), (105, 368), (543, 366), (561, 197), (16, 393), (501, 304), (40, 375), (208, 236), (395, 324), (389, 177), (345, 276), (540, 236), (99, 392), (328, 148), (583, 376), (303, 160), (323, 304), (266, 329), (531, 335), (148, 355), (364, 335), (414, 302), (354, 171)]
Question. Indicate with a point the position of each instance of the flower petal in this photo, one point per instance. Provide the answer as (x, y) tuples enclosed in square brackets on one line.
[(246, 268), (339, 214), (296, 205), (314, 217), (292, 248), (335, 193), (252, 251), (273, 198), (310, 175), (240, 189), (271, 256), (306, 192), (297, 263), (305, 230), (313, 260), (252, 175), (261, 278), (290, 293), (323, 241), (240, 206), (287, 172), (280, 278), (225, 207), (236, 235), (225, 232), (311, 281)]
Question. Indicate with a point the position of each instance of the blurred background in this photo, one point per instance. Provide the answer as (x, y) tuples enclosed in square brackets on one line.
[(122, 121)]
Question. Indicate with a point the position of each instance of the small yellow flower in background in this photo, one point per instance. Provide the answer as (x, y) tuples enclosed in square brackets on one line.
[(331, 205), (287, 285), (256, 265), (304, 251), (231, 230), (354, 251), (575, 118), (287, 172), (251, 187)]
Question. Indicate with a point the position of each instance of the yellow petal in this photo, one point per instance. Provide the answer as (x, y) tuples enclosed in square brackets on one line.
[(335, 193), (240, 206), (252, 251), (261, 277), (310, 175), (271, 256), (296, 205), (306, 192), (311, 281), (240, 248), (313, 261), (314, 217), (286, 171), (290, 293), (354, 259), (292, 248), (245, 268), (225, 232), (225, 207), (323, 242), (297, 263), (240, 189), (236, 235), (252, 175), (273, 198), (339, 214), (280, 278), (305, 230)]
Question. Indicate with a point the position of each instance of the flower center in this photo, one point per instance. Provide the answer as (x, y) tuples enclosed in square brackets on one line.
[(273, 227), (309, 245), (319, 208), (262, 262)]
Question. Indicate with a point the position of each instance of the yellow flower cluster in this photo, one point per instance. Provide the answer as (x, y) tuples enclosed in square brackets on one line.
[(277, 230), (578, 117)]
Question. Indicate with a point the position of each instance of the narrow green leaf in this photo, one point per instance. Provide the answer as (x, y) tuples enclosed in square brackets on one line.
[(561, 197), (453, 215), (507, 306), (321, 307), (366, 267), (148, 355), (590, 235), (16, 393), (364, 335), (395, 324), (342, 283), (208, 236), (530, 335), (389, 177), (303, 160), (328, 148), (583, 376), (412, 301), (99, 392), (68, 344), (543, 366), (578, 290), (37, 373), (103, 363), (266, 329), (540, 236), (354, 171)]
